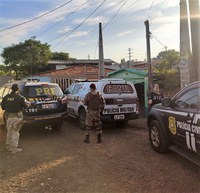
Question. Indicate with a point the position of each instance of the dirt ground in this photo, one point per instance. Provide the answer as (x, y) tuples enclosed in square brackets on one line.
[(60, 162)]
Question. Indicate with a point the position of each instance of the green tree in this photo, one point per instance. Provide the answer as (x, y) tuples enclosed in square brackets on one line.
[(168, 59), (4, 70), (60, 56), (123, 63), (27, 58)]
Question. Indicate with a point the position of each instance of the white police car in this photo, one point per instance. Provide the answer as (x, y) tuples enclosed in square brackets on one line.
[(175, 124), (120, 96)]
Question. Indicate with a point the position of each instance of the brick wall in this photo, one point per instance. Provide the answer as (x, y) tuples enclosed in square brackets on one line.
[(64, 77), (81, 71)]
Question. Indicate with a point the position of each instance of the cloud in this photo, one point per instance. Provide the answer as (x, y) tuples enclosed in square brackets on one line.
[(91, 21), (79, 34), (124, 33), (64, 30)]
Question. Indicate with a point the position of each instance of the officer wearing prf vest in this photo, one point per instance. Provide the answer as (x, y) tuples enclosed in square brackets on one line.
[(13, 104), (95, 104)]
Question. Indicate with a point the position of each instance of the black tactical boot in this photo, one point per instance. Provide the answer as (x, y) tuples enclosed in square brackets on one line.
[(87, 139), (99, 139)]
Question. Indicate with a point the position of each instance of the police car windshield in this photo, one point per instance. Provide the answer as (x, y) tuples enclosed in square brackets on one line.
[(43, 91), (118, 88)]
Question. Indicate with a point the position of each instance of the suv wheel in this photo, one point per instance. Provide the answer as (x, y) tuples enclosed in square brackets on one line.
[(82, 116), (157, 138)]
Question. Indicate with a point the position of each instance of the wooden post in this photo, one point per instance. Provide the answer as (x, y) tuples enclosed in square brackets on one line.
[(150, 81), (101, 57)]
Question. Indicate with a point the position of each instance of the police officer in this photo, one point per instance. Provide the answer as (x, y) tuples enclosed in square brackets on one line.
[(13, 104), (155, 97), (95, 104)]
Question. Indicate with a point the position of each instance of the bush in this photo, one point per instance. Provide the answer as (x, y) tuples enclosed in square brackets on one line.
[(168, 81)]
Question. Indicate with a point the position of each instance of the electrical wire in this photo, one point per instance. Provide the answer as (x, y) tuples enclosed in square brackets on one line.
[(109, 22), (79, 24), (150, 9), (158, 40), (28, 21), (115, 13), (39, 23), (62, 19), (95, 29), (165, 4)]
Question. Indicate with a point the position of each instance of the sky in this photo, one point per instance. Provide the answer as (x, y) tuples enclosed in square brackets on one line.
[(72, 26)]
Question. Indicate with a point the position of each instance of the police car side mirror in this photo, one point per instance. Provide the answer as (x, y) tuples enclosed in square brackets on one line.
[(166, 102)]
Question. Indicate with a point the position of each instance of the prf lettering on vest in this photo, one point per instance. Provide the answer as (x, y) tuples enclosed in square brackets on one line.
[(10, 99), (45, 91)]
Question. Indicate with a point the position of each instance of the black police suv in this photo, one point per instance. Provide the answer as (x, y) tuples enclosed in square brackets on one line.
[(48, 104), (175, 124)]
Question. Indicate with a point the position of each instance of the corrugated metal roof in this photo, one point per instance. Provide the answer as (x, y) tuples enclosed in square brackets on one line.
[(79, 61), (141, 72)]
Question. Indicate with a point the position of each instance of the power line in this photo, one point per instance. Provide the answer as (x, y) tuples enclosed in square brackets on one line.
[(158, 41), (28, 21), (165, 4), (93, 30), (108, 23), (150, 9), (116, 13), (62, 19), (39, 23), (79, 24)]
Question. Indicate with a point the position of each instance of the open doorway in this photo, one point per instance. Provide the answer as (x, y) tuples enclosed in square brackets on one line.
[(140, 92)]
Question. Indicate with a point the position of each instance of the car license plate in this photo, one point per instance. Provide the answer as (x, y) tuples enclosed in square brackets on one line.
[(47, 106), (117, 117)]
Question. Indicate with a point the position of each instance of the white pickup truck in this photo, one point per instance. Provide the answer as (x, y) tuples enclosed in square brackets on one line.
[(120, 96)]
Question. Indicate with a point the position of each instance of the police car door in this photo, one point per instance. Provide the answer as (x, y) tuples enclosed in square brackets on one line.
[(73, 98), (186, 118)]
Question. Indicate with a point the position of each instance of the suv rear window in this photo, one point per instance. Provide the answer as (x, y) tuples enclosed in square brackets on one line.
[(43, 91), (117, 88)]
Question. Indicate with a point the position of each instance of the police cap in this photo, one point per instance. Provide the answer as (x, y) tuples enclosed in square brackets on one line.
[(15, 87), (93, 86)]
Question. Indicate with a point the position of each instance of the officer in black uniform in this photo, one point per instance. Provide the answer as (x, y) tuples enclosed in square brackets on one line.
[(13, 104), (155, 97)]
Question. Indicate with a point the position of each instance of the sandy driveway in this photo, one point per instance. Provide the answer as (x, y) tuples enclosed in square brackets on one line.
[(124, 163)]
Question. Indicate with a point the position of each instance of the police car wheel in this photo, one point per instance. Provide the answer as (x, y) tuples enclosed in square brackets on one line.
[(82, 116), (157, 139)]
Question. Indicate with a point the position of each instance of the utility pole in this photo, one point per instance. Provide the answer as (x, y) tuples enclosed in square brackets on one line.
[(101, 57), (185, 49), (129, 56), (189, 45), (195, 40), (150, 81)]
